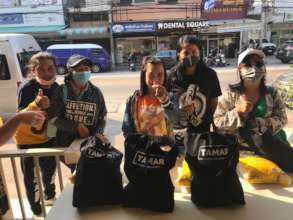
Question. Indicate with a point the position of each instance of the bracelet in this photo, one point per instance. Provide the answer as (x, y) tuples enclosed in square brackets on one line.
[(164, 99), (166, 103)]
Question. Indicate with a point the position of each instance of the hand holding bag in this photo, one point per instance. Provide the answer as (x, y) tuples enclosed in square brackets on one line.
[(270, 147)]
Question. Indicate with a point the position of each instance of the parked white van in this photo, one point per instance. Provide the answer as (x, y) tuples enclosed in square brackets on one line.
[(15, 52)]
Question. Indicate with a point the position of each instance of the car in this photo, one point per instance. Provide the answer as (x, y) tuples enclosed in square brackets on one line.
[(268, 48), (285, 52), (285, 84), (169, 57), (15, 53), (97, 54)]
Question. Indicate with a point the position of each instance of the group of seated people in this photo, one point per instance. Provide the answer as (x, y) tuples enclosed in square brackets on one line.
[(186, 101)]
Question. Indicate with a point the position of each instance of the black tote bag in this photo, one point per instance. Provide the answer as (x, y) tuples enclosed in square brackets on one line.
[(98, 178), (270, 147), (212, 159), (147, 168)]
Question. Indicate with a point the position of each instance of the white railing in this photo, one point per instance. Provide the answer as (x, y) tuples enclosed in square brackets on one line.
[(35, 153)]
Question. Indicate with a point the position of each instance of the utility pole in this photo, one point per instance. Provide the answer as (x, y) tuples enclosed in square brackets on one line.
[(266, 16), (112, 47)]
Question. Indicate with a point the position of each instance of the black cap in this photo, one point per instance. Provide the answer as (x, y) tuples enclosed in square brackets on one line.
[(76, 59)]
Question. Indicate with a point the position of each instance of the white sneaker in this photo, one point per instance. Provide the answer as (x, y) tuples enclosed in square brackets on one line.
[(49, 202)]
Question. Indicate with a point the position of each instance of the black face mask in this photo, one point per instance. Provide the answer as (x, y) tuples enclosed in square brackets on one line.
[(189, 61)]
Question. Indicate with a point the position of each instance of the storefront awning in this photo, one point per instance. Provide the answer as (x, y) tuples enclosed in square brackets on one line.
[(84, 31), (32, 29)]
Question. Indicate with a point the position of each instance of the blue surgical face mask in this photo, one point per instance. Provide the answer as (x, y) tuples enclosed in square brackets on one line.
[(81, 77)]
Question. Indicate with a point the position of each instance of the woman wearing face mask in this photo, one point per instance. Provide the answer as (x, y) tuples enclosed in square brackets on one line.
[(194, 90), (250, 105), (36, 95), (83, 111)]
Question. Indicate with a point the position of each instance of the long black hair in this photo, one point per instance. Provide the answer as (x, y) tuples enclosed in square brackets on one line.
[(149, 60)]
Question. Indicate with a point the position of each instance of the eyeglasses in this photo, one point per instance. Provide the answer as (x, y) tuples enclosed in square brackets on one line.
[(258, 64)]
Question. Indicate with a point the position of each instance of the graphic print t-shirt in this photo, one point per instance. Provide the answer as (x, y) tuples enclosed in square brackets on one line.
[(207, 87), (150, 116), (81, 112)]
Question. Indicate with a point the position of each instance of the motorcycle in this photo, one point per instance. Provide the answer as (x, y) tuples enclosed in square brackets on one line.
[(220, 60), (216, 59), (132, 66)]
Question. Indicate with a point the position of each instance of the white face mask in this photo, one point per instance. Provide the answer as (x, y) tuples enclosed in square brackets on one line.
[(44, 82)]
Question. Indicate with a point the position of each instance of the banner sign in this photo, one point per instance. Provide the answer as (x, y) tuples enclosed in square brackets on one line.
[(11, 19), (31, 19), (182, 26), (133, 27), (40, 2), (224, 9)]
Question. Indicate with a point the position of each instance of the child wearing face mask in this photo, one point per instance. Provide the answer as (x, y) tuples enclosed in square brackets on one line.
[(82, 110), (36, 95)]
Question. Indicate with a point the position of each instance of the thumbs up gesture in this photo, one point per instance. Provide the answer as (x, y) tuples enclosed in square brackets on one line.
[(42, 101)]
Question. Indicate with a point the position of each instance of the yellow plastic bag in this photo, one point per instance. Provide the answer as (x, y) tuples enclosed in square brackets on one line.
[(184, 175), (256, 169)]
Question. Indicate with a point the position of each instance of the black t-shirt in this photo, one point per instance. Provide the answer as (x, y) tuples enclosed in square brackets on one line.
[(206, 86)]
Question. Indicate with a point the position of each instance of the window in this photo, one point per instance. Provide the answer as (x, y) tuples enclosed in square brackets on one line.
[(125, 2), (4, 70), (171, 1), (23, 59), (143, 1), (129, 2), (103, 16), (97, 52)]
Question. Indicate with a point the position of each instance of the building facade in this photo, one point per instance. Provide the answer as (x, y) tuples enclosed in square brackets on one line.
[(281, 27), (146, 27), (88, 22), (149, 26), (43, 18), (57, 21)]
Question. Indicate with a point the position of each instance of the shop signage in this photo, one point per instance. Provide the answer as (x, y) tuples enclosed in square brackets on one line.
[(133, 28), (6, 3), (46, 13), (31, 19), (173, 26), (224, 9), (8, 19), (40, 2), (209, 4)]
